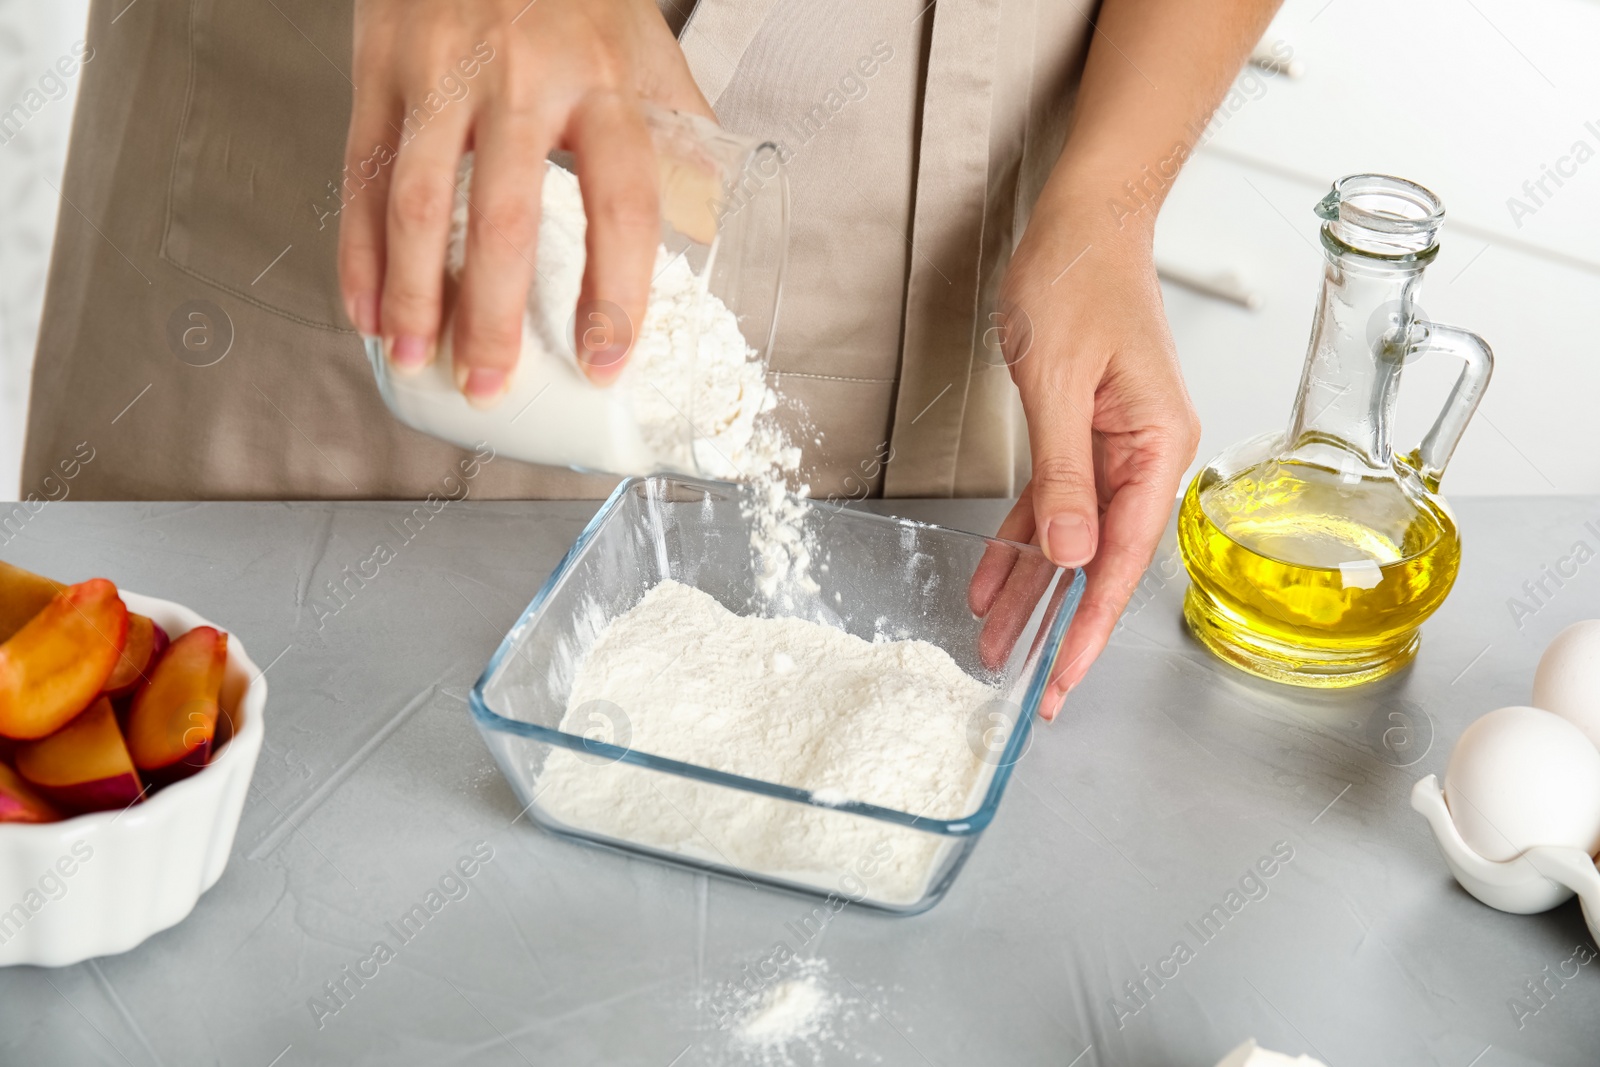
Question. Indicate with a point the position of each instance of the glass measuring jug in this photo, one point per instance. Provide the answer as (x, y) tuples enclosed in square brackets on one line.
[(1315, 555), (720, 263)]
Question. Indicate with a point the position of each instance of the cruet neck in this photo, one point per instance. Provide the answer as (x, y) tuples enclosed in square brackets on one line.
[(1381, 218), (1379, 234)]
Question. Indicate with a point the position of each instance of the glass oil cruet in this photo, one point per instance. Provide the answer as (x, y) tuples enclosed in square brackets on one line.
[(1314, 556)]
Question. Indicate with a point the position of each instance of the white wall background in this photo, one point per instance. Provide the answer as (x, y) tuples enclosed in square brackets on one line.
[(32, 36), (1470, 99)]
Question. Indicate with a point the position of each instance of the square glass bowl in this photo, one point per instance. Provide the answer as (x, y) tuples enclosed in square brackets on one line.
[(883, 579)]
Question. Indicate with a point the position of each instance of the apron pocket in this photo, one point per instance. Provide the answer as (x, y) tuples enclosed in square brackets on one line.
[(252, 205)]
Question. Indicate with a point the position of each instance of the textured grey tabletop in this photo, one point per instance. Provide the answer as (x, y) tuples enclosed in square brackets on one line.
[(1166, 780)]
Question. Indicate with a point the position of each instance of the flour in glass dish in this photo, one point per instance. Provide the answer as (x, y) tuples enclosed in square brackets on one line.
[(781, 700)]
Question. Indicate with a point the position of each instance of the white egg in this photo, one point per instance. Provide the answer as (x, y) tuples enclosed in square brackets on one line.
[(1521, 777), (1568, 679)]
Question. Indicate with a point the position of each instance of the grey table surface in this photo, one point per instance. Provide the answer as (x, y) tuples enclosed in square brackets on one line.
[(1166, 779)]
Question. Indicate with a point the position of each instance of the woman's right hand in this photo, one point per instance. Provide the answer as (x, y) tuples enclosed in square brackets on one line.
[(511, 80)]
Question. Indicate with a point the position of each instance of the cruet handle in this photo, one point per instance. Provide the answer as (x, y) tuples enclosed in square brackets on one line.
[(1431, 457)]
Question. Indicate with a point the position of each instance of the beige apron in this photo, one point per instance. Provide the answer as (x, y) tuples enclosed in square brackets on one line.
[(208, 140)]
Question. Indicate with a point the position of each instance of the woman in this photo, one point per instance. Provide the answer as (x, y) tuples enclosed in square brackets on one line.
[(974, 186)]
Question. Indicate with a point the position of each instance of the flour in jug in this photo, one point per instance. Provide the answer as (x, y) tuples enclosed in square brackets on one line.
[(693, 386)]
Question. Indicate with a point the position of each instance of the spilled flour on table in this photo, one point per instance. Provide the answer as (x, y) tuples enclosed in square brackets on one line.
[(790, 1011), (802, 1016)]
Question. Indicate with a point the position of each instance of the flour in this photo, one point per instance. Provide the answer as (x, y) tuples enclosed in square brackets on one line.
[(784, 549), (789, 1011), (797, 1013), (692, 400), (781, 700)]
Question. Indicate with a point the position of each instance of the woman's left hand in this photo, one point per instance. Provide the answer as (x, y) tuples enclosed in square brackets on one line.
[(1110, 425)]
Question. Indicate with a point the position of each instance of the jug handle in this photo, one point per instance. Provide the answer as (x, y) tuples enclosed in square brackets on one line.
[(1432, 456)]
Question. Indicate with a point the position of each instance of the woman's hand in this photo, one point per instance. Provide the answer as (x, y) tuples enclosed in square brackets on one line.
[(1110, 425), (512, 80)]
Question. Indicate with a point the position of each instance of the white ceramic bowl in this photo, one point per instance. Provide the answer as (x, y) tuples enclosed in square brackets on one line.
[(99, 884)]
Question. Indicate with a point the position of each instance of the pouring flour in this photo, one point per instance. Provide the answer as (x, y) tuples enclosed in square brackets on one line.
[(689, 399)]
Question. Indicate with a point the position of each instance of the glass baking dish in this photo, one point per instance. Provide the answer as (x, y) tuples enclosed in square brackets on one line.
[(884, 578)]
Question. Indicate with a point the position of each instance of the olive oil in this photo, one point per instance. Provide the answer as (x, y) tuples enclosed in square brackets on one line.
[(1318, 577), (1315, 555)]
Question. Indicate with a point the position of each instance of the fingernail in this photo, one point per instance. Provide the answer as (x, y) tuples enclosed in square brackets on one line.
[(1051, 707), (364, 313), (482, 386), (409, 353), (603, 363), (602, 337), (1068, 540), (1056, 695)]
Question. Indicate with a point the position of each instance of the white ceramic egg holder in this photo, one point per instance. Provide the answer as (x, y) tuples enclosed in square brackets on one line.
[(1540, 878), (1537, 880)]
